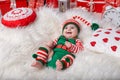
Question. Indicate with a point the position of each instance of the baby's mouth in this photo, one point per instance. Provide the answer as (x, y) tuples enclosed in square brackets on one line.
[(69, 32)]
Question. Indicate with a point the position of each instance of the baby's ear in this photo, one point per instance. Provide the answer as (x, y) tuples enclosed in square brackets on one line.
[(94, 26)]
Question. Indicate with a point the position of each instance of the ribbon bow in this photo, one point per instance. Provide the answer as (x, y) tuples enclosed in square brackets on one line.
[(62, 40)]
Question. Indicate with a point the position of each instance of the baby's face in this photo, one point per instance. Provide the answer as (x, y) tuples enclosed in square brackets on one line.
[(70, 31)]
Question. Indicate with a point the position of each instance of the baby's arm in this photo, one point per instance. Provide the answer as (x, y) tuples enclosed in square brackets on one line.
[(74, 48), (51, 45)]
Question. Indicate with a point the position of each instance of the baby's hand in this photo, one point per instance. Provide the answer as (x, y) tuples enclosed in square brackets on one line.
[(68, 44), (50, 44)]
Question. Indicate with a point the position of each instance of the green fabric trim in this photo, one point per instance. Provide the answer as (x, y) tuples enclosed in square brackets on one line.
[(94, 26), (72, 55), (61, 51), (72, 41), (43, 48), (34, 55), (63, 65), (61, 40), (77, 26), (58, 55), (67, 60)]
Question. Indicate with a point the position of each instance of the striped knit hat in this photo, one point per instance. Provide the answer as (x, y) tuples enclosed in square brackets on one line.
[(71, 21)]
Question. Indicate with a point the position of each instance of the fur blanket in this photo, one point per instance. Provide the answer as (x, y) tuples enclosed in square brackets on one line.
[(17, 46)]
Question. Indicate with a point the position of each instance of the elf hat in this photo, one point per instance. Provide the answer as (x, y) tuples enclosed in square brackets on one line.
[(71, 21)]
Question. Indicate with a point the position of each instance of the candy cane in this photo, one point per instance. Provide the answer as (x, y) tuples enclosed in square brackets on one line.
[(82, 20)]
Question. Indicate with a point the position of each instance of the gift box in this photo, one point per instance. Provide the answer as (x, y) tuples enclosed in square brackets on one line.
[(7, 5), (21, 3), (92, 5), (111, 14), (4, 7), (115, 3), (52, 3), (36, 3)]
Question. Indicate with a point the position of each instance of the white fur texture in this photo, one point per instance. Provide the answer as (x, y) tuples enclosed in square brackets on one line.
[(17, 46)]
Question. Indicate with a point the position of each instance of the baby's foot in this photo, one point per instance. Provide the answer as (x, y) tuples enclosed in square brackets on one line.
[(37, 65), (59, 65)]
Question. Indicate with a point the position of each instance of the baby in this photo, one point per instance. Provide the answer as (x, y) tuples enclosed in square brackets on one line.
[(64, 48)]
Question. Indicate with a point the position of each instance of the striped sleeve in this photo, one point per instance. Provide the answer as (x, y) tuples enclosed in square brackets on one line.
[(55, 41), (77, 47)]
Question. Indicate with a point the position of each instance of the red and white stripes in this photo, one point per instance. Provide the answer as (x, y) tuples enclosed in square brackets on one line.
[(82, 20), (76, 48), (42, 55), (67, 63)]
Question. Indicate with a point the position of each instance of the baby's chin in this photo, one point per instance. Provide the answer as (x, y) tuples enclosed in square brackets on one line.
[(69, 36)]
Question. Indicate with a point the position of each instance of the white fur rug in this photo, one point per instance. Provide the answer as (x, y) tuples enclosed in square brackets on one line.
[(17, 46)]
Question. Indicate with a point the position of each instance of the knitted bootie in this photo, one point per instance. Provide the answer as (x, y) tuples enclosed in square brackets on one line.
[(67, 61), (41, 55)]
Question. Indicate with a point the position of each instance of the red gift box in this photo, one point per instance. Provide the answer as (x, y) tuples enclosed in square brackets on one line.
[(92, 5), (114, 3), (35, 3), (5, 5), (52, 3), (21, 3)]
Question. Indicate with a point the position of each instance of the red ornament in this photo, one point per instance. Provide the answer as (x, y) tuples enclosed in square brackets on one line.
[(19, 17)]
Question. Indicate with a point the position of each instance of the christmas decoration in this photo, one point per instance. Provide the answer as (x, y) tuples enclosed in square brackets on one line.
[(17, 46), (8, 5), (115, 3), (94, 26), (21, 3), (18, 17), (35, 4), (52, 3), (112, 15), (105, 40), (64, 5), (5, 7), (79, 18), (92, 5)]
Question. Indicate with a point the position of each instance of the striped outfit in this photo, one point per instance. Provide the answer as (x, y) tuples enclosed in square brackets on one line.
[(61, 51), (64, 54)]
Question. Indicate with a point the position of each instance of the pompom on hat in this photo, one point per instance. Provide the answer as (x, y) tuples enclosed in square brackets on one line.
[(71, 21)]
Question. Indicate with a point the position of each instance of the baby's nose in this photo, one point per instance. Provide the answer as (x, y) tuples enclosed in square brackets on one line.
[(69, 28)]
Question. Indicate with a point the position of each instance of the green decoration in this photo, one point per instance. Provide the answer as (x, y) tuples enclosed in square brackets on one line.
[(34, 55), (94, 26)]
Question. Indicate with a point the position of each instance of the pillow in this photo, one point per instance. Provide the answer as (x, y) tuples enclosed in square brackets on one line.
[(105, 41), (18, 17)]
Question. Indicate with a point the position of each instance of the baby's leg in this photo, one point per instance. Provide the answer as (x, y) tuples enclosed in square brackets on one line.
[(65, 62), (41, 57), (37, 65), (59, 65)]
